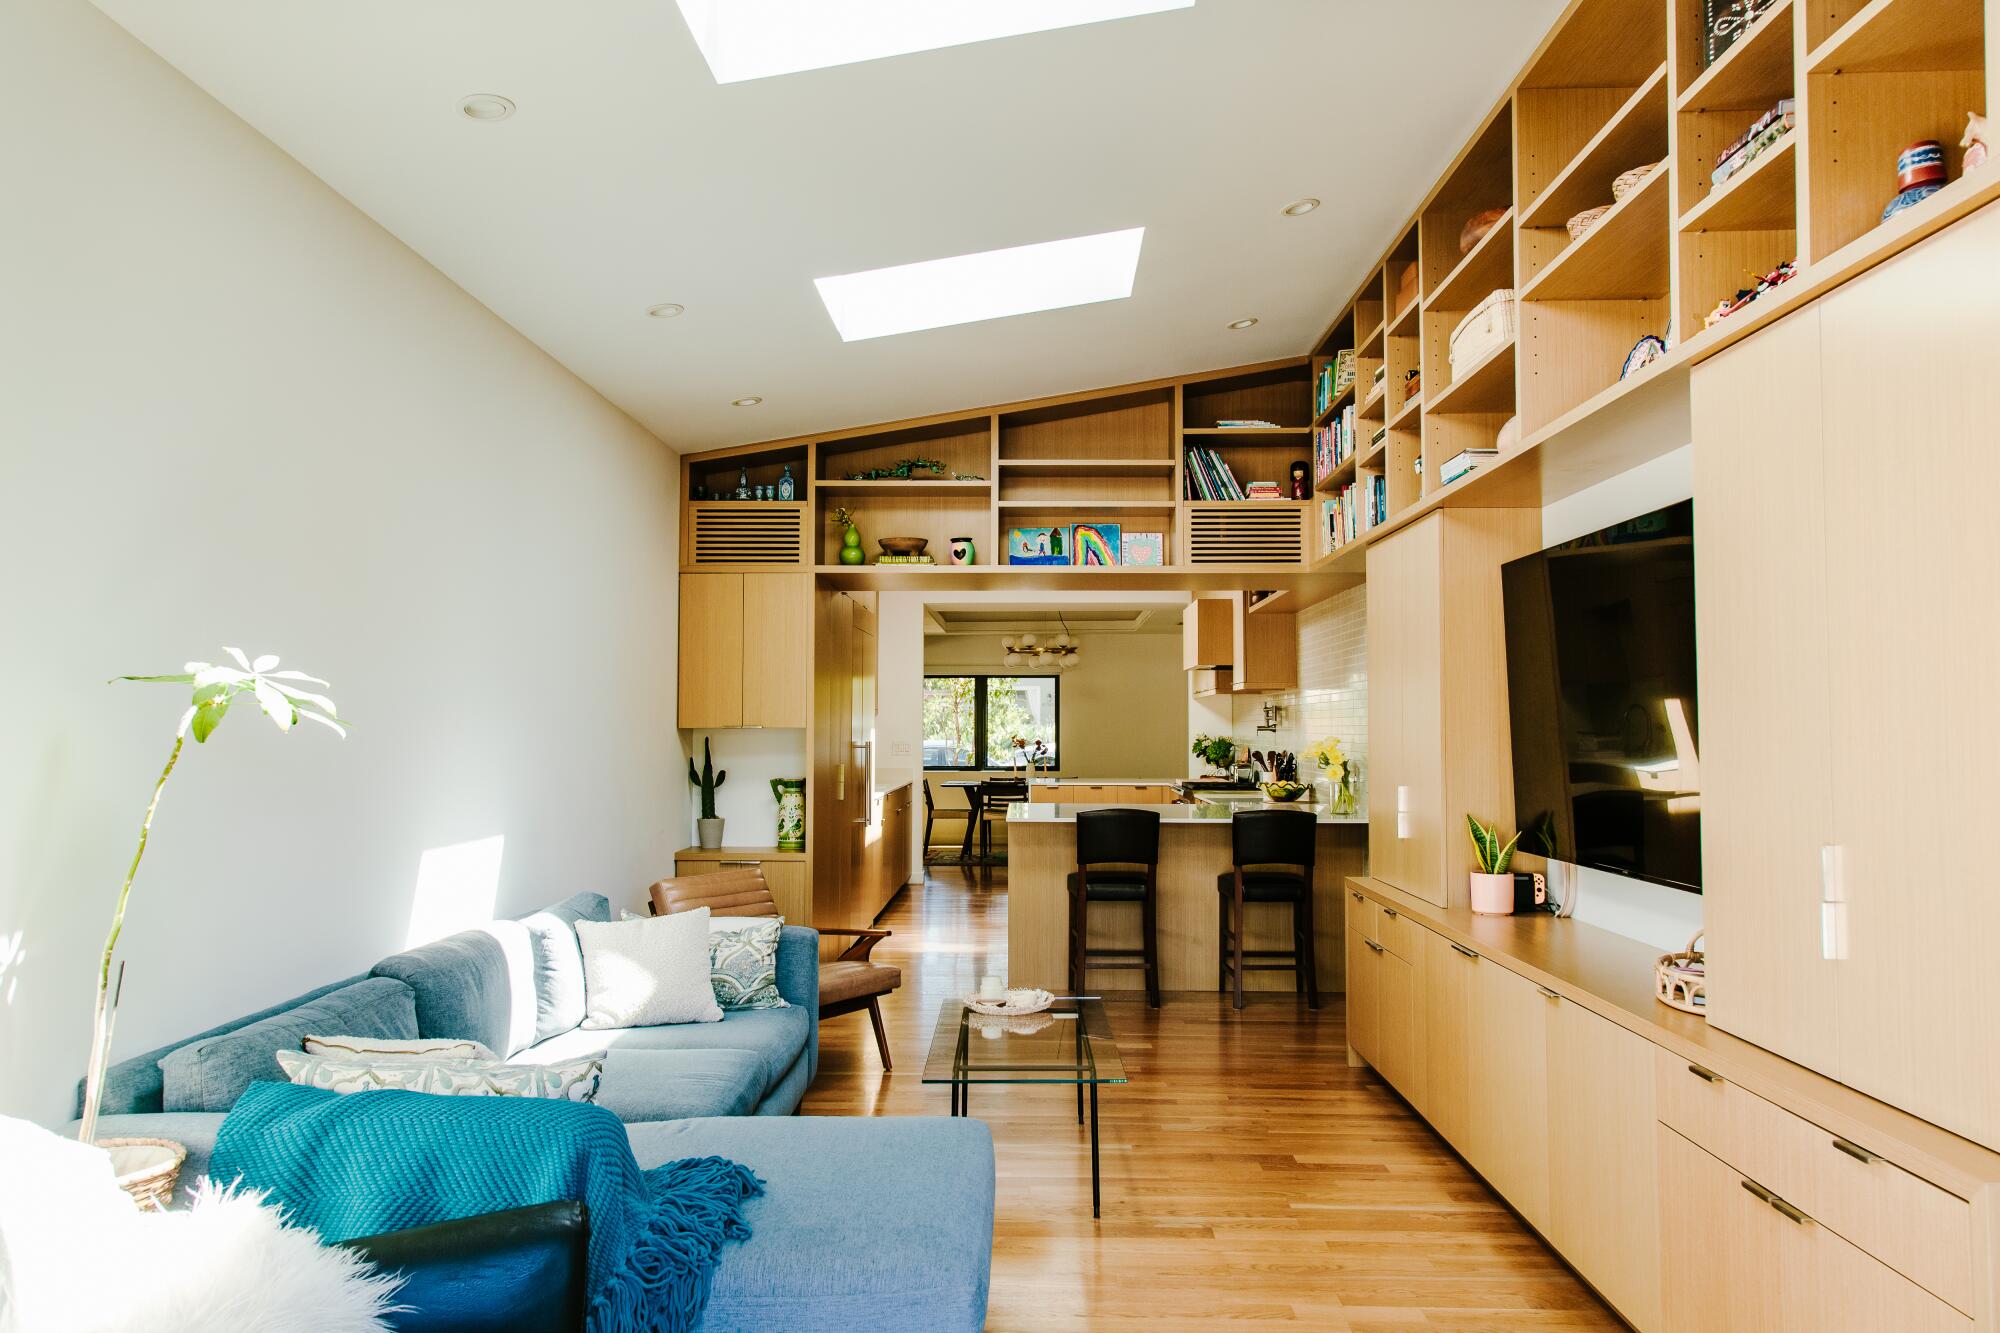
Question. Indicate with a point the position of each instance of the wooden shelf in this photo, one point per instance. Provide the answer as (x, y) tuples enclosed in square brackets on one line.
[(1087, 504), (1485, 387), (1905, 36), (1636, 134), (1070, 467), (1761, 197), (1343, 472), (1247, 433), (1375, 396), (1752, 75), (1626, 256), (1340, 400), (1487, 267), (1370, 345), (1405, 324), (1405, 419), (913, 487), (1371, 454)]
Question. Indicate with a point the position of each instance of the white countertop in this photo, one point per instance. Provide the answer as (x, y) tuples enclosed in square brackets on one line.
[(1065, 812)]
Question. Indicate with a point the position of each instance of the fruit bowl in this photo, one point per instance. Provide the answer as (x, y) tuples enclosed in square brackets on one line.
[(902, 545), (1283, 791)]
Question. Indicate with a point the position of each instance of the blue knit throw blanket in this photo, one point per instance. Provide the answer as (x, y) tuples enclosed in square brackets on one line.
[(368, 1162)]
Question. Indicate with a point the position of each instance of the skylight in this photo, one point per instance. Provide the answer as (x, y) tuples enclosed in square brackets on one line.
[(990, 285), (754, 39)]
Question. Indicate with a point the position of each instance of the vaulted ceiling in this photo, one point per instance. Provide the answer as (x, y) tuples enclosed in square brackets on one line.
[(628, 177)]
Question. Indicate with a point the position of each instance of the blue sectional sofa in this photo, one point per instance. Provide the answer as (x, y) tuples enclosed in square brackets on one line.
[(876, 1223)]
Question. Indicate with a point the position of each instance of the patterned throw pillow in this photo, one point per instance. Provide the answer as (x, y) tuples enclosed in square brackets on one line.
[(743, 962), (389, 1048), (571, 1081)]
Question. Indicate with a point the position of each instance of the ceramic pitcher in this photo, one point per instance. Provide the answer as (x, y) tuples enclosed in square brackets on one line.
[(791, 794)]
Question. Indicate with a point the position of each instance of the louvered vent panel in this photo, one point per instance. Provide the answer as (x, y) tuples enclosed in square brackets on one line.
[(747, 534), (1246, 534)]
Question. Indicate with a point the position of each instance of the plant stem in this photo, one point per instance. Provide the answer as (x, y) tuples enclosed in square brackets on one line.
[(100, 1040)]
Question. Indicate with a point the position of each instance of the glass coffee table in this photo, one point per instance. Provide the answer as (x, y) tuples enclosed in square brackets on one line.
[(1069, 1042)]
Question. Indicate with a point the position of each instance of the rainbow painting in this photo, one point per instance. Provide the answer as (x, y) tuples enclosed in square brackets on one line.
[(1095, 544)]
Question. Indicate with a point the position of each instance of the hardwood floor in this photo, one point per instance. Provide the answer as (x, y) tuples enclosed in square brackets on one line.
[(1249, 1175)]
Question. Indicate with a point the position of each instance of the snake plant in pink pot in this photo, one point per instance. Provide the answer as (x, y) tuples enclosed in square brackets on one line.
[(283, 698)]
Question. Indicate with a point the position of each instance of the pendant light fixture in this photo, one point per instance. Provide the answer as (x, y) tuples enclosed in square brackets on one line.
[(1025, 650)]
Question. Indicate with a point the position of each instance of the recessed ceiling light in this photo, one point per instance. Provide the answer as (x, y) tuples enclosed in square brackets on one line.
[(753, 39), (667, 311), (992, 284), (751, 401), (486, 106), (1241, 323), (1298, 208)]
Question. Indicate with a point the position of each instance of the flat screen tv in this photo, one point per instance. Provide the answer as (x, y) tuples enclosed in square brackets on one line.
[(1601, 693)]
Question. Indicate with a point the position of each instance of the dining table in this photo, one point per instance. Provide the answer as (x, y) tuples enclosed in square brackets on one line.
[(975, 800)]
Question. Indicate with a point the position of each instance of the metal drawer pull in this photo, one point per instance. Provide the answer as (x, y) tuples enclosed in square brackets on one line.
[(739, 863), (1855, 1150), (1553, 995), (1763, 1195), (1708, 1075), (1389, 912), (1355, 894), (1789, 1212), (1469, 953), (1372, 944)]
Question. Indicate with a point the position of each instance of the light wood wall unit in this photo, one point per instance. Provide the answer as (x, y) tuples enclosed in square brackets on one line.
[(785, 872), (743, 659), (1437, 702), (1849, 927), (1617, 84), (1697, 1182)]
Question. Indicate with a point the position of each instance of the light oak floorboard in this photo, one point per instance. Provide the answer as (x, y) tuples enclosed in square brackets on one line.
[(1249, 1175)]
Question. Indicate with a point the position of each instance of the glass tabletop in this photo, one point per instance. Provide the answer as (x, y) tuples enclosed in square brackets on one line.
[(1069, 1042)]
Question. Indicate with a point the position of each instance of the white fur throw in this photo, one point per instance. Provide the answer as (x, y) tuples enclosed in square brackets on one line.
[(639, 973), (77, 1254)]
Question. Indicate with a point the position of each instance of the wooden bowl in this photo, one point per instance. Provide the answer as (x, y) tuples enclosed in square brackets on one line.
[(902, 545)]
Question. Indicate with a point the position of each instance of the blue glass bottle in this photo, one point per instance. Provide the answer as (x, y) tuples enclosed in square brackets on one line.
[(785, 487)]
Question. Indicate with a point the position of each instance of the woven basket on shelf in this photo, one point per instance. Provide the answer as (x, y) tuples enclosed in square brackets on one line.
[(1632, 180), (1585, 220), (147, 1169), (1680, 979)]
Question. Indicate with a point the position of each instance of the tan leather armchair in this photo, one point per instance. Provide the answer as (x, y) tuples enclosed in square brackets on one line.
[(849, 983)]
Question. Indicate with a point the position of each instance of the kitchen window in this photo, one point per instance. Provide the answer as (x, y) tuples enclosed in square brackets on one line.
[(975, 722)]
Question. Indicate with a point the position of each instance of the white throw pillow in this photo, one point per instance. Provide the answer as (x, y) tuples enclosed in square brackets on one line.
[(394, 1048), (647, 973), (570, 1081)]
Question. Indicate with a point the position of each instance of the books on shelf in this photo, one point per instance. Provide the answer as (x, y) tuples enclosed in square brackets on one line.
[(905, 560), (1770, 127), (1352, 510), (1246, 423), (1467, 461), (1207, 477), (1264, 490), (1333, 379), (1333, 444)]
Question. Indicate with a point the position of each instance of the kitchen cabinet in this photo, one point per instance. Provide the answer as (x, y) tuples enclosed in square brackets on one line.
[(745, 657), (1507, 1072), (1363, 981), (1231, 651), (1207, 634), (1449, 970), (785, 872), (1848, 713)]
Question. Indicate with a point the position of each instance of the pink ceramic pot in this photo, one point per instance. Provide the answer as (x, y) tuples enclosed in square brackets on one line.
[(1493, 895)]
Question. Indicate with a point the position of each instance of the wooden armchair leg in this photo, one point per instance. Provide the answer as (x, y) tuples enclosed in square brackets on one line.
[(881, 1036)]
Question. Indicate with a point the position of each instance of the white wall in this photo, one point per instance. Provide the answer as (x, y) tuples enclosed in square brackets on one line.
[(234, 410)]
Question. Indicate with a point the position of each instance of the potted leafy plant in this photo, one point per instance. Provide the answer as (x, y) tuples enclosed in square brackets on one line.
[(1493, 882), (1218, 752), (708, 828)]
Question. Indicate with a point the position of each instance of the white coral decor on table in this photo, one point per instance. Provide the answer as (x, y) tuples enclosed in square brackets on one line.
[(76, 1253)]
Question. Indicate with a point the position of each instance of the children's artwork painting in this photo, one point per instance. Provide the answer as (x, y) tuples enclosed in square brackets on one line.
[(1038, 546), (1096, 544), (1145, 548)]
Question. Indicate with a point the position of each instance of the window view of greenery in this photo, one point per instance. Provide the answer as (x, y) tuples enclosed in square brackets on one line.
[(974, 721)]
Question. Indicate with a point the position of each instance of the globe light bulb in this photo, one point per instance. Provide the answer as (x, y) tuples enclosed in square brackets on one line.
[(1027, 641)]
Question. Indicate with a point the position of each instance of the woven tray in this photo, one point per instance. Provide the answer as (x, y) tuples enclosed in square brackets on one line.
[(1632, 180), (1018, 1002), (147, 1169), (1680, 980)]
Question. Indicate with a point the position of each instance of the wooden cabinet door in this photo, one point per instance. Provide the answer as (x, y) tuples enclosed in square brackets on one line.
[(1763, 621), (829, 829), (1449, 971), (1507, 1064), (1399, 1020), (1846, 1290), (1604, 1179), (1914, 565), (1264, 648), (777, 649), (1728, 1261), (711, 651), (1406, 777), (1362, 974)]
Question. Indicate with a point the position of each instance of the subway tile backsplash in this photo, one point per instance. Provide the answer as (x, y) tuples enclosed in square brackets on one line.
[(1332, 698)]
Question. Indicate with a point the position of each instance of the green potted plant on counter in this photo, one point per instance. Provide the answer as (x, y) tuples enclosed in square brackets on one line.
[(1493, 882), (1218, 752)]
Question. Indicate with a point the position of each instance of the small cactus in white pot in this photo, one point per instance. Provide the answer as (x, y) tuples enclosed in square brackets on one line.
[(1493, 883), (708, 828)]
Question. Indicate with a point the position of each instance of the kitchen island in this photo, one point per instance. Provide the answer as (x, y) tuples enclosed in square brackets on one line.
[(1194, 849)]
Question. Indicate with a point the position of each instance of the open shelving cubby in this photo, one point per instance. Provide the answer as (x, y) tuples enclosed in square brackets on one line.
[(1401, 407), (934, 508), (1878, 77)]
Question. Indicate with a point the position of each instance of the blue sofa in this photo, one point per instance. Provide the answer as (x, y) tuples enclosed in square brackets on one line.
[(875, 1223)]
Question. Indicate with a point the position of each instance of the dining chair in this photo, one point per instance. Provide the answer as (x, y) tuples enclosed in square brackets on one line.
[(932, 813), (995, 794)]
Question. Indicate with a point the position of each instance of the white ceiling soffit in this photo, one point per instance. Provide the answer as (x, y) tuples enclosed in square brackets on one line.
[(629, 177)]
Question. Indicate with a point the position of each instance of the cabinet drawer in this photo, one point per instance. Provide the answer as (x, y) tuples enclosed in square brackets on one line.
[(1911, 1225), (1364, 916), (1397, 933)]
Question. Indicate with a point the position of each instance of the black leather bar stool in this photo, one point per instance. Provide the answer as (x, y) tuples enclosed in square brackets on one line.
[(1273, 851), (1117, 861)]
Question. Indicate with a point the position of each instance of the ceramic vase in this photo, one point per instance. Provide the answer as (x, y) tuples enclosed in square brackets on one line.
[(791, 794), (850, 548), (1493, 895), (963, 552), (708, 833)]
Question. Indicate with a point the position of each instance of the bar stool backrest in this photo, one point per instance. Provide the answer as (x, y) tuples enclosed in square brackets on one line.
[(1120, 837), (1271, 837)]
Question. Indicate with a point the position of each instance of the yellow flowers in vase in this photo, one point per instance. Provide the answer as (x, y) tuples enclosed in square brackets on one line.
[(1338, 773)]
